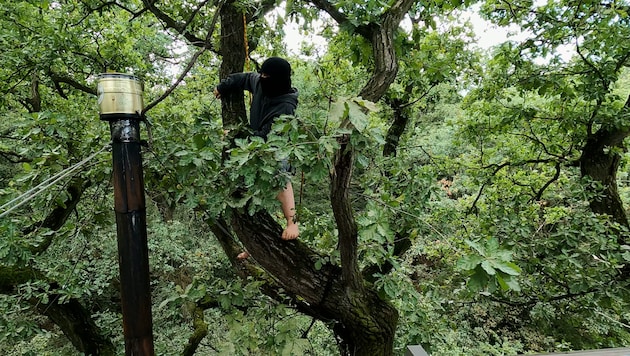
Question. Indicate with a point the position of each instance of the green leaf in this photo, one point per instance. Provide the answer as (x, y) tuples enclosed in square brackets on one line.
[(318, 265), (468, 263), (508, 267), (296, 347), (487, 266), (367, 105), (339, 110), (199, 141), (357, 117), (504, 286), (507, 280), (478, 281), (477, 247), (239, 157), (492, 245)]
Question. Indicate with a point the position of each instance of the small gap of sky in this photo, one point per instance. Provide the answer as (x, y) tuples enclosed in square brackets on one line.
[(488, 34)]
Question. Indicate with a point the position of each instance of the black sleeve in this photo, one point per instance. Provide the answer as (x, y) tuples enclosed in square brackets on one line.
[(237, 81)]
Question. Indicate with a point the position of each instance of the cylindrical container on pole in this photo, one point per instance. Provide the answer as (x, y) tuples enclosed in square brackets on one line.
[(120, 103), (119, 95)]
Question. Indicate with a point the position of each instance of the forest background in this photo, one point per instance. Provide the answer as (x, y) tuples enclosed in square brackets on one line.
[(473, 201)]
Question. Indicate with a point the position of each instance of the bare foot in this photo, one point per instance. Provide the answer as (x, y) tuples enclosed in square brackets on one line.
[(291, 232), (243, 255)]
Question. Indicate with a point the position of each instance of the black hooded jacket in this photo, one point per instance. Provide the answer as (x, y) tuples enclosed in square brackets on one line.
[(263, 109)]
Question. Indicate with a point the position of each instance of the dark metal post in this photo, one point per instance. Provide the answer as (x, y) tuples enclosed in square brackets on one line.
[(129, 205)]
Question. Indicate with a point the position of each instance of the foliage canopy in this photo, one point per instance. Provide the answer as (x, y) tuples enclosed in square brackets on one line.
[(472, 201)]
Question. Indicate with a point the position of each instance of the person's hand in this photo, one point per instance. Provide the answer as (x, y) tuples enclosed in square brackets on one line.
[(216, 93)]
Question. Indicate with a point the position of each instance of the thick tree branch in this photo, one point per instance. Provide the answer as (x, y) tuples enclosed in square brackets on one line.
[(200, 331), (14, 157), (77, 324), (363, 319), (601, 164), (291, 263), (74, 320), (170, 22), (64, 78), (384, 51), (35, 100), (380, 33), (341, 176), (58, 216), (273, 286)]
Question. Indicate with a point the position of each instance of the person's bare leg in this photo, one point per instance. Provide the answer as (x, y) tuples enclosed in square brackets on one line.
[(286, 198)]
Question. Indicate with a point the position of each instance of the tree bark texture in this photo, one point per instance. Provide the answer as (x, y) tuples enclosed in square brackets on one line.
[(234, 55), (77, 324), (396, 130), (385, 62), (600, 162), (601, 166), (365, 322), (344, 216)]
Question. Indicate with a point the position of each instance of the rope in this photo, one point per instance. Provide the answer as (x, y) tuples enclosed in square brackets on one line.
[(41, 187), (246, 43)]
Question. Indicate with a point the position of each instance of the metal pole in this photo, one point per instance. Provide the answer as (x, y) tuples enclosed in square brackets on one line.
[(133, 255)]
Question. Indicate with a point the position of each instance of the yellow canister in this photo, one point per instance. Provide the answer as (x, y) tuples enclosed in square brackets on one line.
[(119, 94)]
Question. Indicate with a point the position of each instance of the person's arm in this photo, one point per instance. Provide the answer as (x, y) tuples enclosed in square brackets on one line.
[(236, 81)]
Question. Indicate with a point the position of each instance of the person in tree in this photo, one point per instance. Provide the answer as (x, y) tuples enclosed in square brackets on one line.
[(272, 96)]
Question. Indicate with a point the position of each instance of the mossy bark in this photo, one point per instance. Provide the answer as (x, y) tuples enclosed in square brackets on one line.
[(77, 324), (600, 162), (200, 331)]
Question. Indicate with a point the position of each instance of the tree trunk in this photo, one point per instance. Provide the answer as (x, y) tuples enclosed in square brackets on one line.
[(344, 216), (601, 165), (385, 61), (233, 53), (365, 323), (600, 161)]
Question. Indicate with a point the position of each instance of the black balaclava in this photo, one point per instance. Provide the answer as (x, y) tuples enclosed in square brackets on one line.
[(278, 82)]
